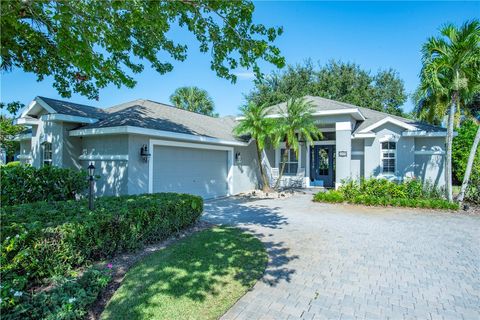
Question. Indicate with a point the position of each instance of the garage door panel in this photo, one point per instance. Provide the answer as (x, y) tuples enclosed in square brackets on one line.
[(188, 170)]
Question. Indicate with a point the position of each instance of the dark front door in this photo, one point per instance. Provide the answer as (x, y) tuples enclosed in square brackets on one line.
[(322, 165)]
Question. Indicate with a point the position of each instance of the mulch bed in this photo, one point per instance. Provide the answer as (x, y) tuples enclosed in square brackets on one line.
[(123, 262)]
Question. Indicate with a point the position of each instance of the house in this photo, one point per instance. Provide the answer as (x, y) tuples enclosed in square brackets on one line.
[(144, 146)]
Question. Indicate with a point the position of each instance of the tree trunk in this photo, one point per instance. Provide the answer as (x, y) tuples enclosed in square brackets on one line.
[(265, 184), (468, 170), (448, 166), (282, 168)]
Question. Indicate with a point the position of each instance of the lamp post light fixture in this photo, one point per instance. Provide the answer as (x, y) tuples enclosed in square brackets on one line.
[(238, 158), (91, 172)]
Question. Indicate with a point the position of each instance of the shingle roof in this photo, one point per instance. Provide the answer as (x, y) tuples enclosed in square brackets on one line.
[(74, 109), (154, 115), (319, 104)]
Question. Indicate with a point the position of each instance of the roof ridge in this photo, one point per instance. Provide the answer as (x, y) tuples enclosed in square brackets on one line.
[(176, 108)]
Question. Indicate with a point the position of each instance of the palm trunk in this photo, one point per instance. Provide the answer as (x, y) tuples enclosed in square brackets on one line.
[(468, 170), (265, 184), (448, 166), (282, 168)]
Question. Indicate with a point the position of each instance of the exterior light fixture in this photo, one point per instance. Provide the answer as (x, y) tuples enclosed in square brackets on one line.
[(238, 158), (91, 172), (144, 153)]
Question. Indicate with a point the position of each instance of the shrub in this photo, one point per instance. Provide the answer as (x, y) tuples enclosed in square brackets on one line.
[(381, 192), (69, 299), (12, 164), (25, 184), (42, 240)]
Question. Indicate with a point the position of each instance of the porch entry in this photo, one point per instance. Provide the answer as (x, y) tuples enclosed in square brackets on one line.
[(322, 165)]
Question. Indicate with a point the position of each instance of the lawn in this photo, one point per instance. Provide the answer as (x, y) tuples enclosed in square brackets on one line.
[(200, 277)]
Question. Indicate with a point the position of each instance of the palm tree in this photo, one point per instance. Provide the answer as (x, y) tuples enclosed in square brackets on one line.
[(450, 66), (193, 99), (296, 121), (255, 124)]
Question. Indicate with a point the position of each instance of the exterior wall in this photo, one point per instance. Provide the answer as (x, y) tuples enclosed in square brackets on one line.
[(246, 176), (71, 147), (137, 167), (356, 167), (25, 151), (430, 160), (113, 174), (343, 144)]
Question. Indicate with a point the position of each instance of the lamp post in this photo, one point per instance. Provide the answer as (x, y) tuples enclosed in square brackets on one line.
[(91, 172)]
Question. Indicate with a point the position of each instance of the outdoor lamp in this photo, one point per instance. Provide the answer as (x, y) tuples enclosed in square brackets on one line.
[(144, 153), (91, 172), (238, 158)]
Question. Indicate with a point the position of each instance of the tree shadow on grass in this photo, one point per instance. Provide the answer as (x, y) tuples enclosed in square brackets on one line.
[(200, 276)]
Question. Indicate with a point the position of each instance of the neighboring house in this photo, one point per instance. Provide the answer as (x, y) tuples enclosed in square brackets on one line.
[(144, 146)]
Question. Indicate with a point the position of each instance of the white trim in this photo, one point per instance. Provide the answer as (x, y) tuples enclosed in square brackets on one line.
[(27, 121), (22, 137), (324, 142), (389, 137), (343, 125), (363, 135), (24, 157), (357, 153), (384, 174), (67, 118), (153, 133), (33, 104), (390, 120), (429, 152), (101, 157), (154, 142), (353, 111), (426, 134)]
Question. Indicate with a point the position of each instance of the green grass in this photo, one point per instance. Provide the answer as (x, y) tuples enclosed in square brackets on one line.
[(200, 277)]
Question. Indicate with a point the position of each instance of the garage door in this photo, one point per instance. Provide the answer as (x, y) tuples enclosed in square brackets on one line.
[(201, 172)]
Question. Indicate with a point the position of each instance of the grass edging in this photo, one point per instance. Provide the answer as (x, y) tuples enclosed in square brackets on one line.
[(201, 276)]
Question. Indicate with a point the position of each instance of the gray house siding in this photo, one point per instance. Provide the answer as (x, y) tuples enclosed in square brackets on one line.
[(137, 167), (430, 167), (72, 147), (246, 176)]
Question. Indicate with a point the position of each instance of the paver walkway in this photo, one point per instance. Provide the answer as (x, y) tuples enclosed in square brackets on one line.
[(348, 262)]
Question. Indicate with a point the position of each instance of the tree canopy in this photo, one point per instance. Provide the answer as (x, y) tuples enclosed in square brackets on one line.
[(193, 99), (87, 45), (7, 129), (345, 82)]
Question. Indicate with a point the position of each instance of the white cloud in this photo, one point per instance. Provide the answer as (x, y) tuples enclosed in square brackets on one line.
[(245, 75)]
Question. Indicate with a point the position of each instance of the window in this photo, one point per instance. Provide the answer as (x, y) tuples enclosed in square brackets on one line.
[(291, 166), (47, 154), (389, 154)]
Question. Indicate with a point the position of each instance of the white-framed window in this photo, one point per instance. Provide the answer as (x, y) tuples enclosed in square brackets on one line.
[(389, 157), (291, 165), (47, 154)]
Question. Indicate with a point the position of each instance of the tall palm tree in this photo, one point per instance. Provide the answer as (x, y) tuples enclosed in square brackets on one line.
[(450, 66), (296, 122), (193, 99), (255, 124)]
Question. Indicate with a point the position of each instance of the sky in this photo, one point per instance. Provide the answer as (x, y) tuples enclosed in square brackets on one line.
[(375, 35)]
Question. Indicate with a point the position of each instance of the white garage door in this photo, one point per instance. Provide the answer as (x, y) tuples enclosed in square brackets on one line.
[(201, 172)]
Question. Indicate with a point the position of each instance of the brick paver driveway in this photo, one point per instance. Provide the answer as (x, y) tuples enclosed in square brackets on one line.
[(347, 262)]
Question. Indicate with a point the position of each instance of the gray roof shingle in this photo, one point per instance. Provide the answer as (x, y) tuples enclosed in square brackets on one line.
[(75, 109)]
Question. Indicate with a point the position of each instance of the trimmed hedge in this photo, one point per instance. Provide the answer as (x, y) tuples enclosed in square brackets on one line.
[(381, 192), (26, 184), (43, 240)]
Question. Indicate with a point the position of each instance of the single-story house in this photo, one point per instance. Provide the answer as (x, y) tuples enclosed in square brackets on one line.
[(144, 146)]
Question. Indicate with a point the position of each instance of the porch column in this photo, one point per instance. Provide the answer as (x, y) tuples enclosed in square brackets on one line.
[(343, 151)]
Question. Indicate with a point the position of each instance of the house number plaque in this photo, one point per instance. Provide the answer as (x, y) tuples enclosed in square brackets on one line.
[(342, 153)]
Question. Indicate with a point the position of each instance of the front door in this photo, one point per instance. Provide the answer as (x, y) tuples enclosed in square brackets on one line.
[(322, 165)]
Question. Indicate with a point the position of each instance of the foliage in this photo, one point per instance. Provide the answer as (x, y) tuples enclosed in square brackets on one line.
[(345, 82), (69, 299), (44, 240), (260, 128), (7, 129), (193, 99), (461, 149), (85, 46), (296, 122), (449, 78), (381, 192), (200, 277), (24, 184)]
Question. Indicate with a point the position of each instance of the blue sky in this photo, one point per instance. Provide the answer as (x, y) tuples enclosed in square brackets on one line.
[(375, 35)]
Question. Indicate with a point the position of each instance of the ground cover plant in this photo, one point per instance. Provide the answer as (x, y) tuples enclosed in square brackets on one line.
[(381, 192), (43, 242), (200, 277)]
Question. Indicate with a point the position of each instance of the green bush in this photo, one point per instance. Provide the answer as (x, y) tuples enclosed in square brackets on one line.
[(69, 299), (42, 240), (26, 184), (12, 164), (381, 192)]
